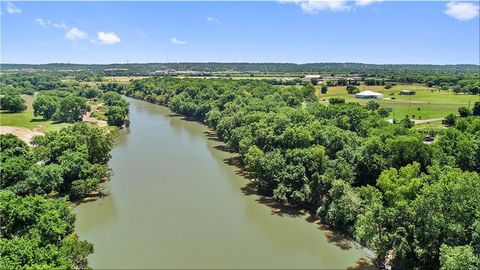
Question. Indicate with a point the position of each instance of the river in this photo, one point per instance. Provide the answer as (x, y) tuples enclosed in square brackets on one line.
[(175, 203)]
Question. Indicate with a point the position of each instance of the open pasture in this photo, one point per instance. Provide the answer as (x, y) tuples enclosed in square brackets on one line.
[(427, 103), (26, 119)]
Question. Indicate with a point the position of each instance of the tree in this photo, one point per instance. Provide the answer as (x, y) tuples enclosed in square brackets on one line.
[(297, 137), (400, 185), (406, 122), (71, 109), (37, 233), (308, 92), (116, 116), (457, 89), (314, 81), (40, 180), (372, 105), (45, 105), (464, 111), (446, 210), (352, 89), (476, 109), (91, 93), (405, 149), (12, 146), (458, 257), (14, 170), (383, 112), (13, 103), (451, 119), (112, 98), (324, 88)]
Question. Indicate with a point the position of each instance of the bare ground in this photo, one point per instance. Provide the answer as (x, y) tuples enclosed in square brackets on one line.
[(88, 117), (23, 134)]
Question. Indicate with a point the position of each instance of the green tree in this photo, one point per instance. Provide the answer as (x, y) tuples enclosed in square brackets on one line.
[(116, 116), (406, 122), (383, 112), (451, 119), (71, 109), (37, 233), (45, 106), (352, 89), (324, 88), (401, 185), (372, 105), (464, 111), (458, 257), (476, 109), (13, 103)]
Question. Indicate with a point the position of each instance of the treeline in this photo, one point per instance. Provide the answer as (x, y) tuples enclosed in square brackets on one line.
[(247, 67), (37, 186), (415, 205)]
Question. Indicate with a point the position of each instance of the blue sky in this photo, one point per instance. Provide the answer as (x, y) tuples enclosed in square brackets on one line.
[(290, 31)]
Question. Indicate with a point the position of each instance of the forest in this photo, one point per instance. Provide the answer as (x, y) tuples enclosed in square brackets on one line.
[(38, 186), (40, 183), (415, 205)]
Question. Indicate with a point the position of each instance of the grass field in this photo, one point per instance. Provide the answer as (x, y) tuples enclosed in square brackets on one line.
[(428, 103), (26, 118), (122, 79)]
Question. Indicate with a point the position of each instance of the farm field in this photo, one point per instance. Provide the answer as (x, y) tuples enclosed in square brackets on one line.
[(428, 103), (122, 79)]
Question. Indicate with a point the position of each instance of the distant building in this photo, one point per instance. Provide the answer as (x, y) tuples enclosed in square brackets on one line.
[(407, 92), (168, 71), (308, 78), (369, 94)]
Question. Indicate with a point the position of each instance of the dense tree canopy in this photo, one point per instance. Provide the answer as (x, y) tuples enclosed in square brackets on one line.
[(36, 228)]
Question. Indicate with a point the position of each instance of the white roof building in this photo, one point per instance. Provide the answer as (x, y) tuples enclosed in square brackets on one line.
[(369, 94)]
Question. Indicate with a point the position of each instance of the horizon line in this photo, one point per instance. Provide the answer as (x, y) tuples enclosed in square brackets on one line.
[(220, 62)]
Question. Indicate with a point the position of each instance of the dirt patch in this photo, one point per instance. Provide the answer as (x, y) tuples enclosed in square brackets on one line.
[(89, 118), (23, 134)]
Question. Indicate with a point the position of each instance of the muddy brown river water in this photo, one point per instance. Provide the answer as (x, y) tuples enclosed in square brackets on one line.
[(175, 203)]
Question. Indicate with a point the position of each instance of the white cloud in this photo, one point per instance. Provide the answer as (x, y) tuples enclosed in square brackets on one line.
[(61, 25), (314, 6), (46, 23), (462, 11), (12, 9), (75, 33), (174, 40), (213, 19), (363, 3), (41, 22), (108, 38)]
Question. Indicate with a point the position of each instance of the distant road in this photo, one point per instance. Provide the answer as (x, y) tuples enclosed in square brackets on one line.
[(427, 120), (421, 121)]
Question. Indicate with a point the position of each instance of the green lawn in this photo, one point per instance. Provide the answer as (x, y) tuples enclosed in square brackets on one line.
[(426, 104), (26, 118)]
